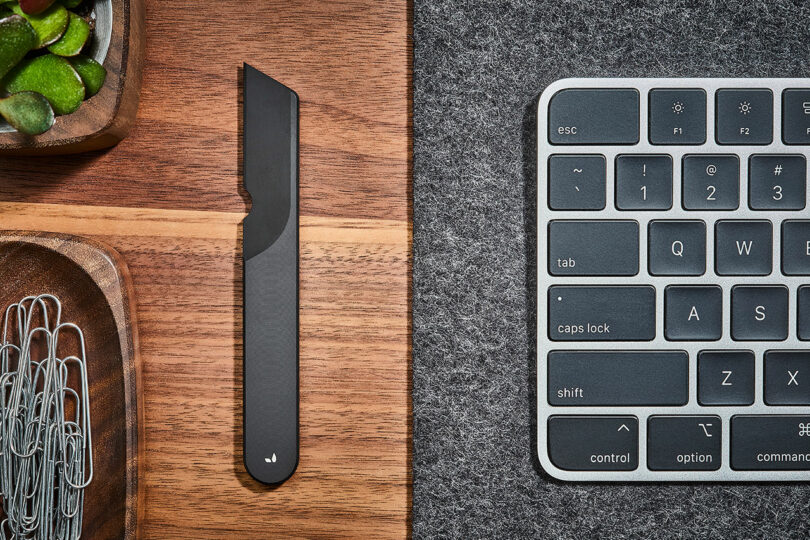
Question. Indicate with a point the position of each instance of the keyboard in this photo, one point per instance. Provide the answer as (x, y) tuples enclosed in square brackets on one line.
[(674, 280)]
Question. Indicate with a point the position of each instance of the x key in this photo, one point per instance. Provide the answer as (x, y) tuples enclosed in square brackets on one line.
[(784, 381)]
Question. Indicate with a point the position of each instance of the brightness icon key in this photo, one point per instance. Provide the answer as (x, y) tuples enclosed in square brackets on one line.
[(744, 116), (677, 116)]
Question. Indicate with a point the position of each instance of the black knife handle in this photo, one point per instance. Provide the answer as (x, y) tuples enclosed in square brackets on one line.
[(270, 250)]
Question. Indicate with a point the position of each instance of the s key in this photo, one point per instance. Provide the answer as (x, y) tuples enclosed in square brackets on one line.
[(759, 313)]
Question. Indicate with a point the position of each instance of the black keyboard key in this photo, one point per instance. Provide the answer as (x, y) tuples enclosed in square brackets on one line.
[(576, 182), (743, 248), (594, 116), (607, 313), (787, 377), (726, 378), (577, 378), (770, 443), (593, 443), (693, 313), (711, 182), (796, 116), (643, 182), (777, 182), (593, 248), (676, 248), (677, 116), (684, 443), (744, 116), (803, 322), (759, 313), (796, 248)]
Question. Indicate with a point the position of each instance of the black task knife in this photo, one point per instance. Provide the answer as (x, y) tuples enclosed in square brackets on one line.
[(270, 250)]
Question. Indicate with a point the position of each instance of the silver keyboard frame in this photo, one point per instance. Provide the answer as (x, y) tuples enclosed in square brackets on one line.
[(544, 279)]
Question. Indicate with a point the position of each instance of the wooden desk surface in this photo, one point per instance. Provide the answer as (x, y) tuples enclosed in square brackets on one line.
[(169, 200)]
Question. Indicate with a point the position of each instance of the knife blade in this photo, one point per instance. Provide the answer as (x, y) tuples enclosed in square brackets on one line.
[(270, 251)]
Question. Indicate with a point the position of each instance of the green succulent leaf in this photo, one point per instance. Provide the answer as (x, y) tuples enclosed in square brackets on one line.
[(17, 37), (32, 7), (92, 73), (49, 25), (73, 40), (53, 77), (70, 4), (27, 112)]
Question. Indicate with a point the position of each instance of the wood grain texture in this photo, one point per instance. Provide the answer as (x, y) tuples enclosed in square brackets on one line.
[(168, 198), (107, 117), (92, 283)]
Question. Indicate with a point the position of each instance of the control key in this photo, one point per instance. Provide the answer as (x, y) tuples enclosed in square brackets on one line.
[(593, 443)]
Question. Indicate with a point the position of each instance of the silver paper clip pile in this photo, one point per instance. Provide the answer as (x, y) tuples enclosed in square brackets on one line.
[(46, 450)]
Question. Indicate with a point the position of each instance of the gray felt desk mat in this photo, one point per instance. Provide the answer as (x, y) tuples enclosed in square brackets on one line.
[(478, 69)]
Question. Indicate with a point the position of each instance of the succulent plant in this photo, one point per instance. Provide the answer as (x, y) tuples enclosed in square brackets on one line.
[(16, 39), (32, 7), (37, 86), (27, 112), (92, 73)]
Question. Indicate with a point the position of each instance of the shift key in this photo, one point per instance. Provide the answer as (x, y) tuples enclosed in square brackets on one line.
[(604, 313), (592, 248)]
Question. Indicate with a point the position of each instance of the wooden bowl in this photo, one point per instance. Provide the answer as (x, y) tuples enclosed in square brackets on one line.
[(104, 119), (93, 285)]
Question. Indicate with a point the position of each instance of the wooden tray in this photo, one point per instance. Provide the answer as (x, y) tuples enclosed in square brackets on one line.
[(106, 118), (93, 284)]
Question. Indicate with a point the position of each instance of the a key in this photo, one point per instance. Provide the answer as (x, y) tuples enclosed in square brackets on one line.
[(744, 116), (711, 182), (677, 116), (743, 248), (684, 443), (803, 322), (768, 443), (644, 182), (726, 377), (796, 248), (676, 248), (593, 443), (777, 182), (594, 116), (787, 377), (576, 182), (759, 313), (578, 378), (796, 116), (593, 248), (601, 313), (693, 313)]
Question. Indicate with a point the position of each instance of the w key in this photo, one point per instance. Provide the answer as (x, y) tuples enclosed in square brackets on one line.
[(743, 248)]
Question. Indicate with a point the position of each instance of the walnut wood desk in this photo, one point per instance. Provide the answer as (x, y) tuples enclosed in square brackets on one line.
[(169, 199)]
